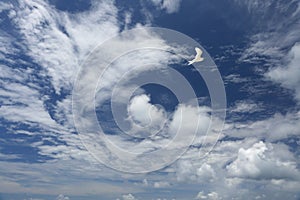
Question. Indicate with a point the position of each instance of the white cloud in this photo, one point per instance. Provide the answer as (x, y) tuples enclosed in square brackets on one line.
[(264, 161), (142, 112), (5, 6), (277, 41), (128, 197), (60, 177), (91, 28), (245, 107), (206, 172), (218, 178), (235, 78), (289, 76), (56, 42), (195, 171), (274, 32), (62, 197), (171, 6), (58, 54), (209, 196), (22, 101), (190, 120), (161, 184), (271, 129), (58, 51)]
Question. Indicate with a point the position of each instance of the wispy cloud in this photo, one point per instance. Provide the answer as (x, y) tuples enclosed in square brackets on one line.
[(170, 6), (276, 33), (289, 75)]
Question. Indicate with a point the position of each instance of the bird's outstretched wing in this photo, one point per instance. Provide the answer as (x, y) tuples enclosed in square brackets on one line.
[(198, 51), (198, 57)]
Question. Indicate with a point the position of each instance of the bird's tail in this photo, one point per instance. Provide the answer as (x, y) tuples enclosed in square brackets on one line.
[(190, 62)]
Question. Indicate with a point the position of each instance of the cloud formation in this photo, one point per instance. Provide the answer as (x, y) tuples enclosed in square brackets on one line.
[(288, 76), (263, 161), (57, 43), (170, 6)]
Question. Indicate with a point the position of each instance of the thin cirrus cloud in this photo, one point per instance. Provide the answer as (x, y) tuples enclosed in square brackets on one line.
[(277, 39)]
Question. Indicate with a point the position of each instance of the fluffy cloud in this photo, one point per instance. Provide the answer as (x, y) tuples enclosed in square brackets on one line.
[(196, 171), (128, 197), (264, 161), (190, 120), (62, 197), (249, 166), (147, 115), (210, 196)]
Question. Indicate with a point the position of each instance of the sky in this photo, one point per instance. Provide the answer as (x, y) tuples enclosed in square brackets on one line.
[(97, 100)]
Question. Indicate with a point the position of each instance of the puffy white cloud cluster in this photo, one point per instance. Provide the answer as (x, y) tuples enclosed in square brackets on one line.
[(62, 197), (264, 161), (210, 196), (145, 114), (128, 197)]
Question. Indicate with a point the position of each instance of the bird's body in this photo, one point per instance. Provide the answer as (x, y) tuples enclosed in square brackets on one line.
[(198, 57)]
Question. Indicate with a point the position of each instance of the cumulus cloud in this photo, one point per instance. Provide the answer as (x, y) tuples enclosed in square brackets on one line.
[(146, 114), (213, 173), (206, 172), (194, 170), (190, 120), (128, 197), (62, 197), (264, 161), (210, 196)]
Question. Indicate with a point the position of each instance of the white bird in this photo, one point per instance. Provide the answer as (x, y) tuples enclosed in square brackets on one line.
[(198, 57)]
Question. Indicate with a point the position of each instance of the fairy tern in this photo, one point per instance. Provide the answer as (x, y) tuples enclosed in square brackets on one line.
[(198, 57)]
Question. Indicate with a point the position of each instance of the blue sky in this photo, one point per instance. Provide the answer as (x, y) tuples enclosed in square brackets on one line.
[(52, 54)]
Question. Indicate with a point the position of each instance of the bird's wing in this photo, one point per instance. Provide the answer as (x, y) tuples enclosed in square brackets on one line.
[(199, 51)]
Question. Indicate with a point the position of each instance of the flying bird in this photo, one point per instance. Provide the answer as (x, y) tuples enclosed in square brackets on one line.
[(198, 57)]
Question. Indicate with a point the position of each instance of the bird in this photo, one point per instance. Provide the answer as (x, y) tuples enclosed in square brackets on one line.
[(198, 57)]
